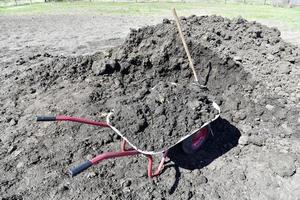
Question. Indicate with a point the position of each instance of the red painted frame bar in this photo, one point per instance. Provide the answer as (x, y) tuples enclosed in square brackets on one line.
[(150, 161), (81, 120), (108, 155)]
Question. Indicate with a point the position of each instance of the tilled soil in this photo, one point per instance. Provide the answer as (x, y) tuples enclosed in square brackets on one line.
[(249, 70)]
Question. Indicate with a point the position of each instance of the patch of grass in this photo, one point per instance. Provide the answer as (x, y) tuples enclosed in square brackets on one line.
[(286, 16)]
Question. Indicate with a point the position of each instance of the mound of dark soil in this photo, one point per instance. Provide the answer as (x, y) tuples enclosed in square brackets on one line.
[(156, 118), (155, 54)]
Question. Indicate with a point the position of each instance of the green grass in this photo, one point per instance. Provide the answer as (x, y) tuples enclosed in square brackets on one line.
[(287, 16)]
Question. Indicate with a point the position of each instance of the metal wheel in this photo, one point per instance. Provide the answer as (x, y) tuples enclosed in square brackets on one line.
[(193, 143)]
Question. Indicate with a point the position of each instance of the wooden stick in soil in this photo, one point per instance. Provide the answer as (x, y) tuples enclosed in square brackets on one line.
[(184, 44)]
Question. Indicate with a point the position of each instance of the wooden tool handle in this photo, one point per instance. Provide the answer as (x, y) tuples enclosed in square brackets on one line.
[(184, 44)]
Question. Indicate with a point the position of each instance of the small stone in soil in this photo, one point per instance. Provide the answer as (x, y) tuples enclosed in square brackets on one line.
[(63, 188), (283, 165), (13, 122), (257, 140), (20, 165), (242, 176), (202, 179), (287, 129), (91, 175), (125, 183), (269, 107), (284, 68), (237, 58), (244, 140), (101, 67), (12, 149)]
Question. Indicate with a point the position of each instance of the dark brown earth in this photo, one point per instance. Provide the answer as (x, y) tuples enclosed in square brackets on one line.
[(157, 117), (254, 152)]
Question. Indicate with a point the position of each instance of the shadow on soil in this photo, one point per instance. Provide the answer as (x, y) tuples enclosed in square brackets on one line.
[(225, 137)]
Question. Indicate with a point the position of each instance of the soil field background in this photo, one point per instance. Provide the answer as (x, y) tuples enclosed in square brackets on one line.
[(258, 159)]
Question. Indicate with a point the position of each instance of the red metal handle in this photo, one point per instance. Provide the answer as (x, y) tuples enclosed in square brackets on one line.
[(72, 119)]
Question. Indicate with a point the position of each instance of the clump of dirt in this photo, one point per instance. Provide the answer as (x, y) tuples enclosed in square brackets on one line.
[(156, 118)]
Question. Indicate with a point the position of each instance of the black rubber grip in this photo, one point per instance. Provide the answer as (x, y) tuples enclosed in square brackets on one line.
[(45, 118), (80, 168)]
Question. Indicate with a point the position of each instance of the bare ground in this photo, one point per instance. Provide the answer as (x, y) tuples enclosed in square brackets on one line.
[(257, 168)]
